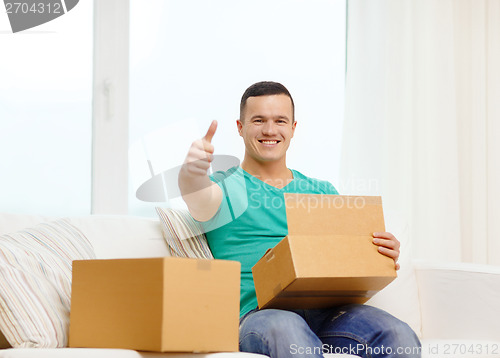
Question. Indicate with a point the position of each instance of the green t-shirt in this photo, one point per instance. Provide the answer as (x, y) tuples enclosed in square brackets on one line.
[(252, 219)]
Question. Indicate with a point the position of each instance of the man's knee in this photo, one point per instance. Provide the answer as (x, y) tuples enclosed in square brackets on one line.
[(372, 328), (271, 323), (387, 325), (277, 333)]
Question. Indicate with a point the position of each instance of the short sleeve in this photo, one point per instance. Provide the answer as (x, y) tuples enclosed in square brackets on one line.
[(330, 189), (234, 199)]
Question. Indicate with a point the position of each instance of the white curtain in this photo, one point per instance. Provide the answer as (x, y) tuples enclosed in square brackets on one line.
[(422, 121)]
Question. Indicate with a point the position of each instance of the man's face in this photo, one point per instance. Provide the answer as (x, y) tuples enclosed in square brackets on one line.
[(267, 127)]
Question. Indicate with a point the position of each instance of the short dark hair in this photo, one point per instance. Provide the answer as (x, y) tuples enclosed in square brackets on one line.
[(264, 88)]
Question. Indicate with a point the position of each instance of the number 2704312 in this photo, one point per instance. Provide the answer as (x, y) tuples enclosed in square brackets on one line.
[(34, 8)]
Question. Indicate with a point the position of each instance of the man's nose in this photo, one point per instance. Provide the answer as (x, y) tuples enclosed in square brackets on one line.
[(269, 128)]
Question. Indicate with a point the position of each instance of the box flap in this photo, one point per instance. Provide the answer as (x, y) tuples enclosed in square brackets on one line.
[(320, 214), (280, 272), (338, 256)]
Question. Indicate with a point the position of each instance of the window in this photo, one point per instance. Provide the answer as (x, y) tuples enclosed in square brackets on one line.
[(45, 115), (191, 60)]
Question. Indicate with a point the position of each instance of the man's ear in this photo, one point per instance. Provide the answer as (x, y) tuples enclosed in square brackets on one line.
[(294, 124), (239, 124)]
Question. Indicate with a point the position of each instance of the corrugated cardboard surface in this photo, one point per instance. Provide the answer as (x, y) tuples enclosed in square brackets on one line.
[(157, 304), (328, 257)]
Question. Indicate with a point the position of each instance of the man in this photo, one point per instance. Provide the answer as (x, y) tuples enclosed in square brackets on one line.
[(243, 212)]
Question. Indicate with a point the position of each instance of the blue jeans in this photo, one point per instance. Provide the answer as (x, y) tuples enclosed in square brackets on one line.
[(359, 330)]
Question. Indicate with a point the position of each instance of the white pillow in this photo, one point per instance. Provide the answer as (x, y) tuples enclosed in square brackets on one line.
[(122, 236), (15, 222), (184, 236), (35, 289)]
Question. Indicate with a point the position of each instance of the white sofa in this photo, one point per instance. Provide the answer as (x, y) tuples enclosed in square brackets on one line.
[(453, 307)]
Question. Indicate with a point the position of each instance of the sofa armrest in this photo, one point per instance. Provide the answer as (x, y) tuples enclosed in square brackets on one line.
[(459, 300)]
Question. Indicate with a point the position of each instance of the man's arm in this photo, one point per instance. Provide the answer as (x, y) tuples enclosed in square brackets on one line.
[(201, 195)]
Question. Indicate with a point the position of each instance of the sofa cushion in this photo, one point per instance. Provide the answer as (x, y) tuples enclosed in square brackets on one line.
[(455, 296), (14, 222), (35, 266), (121, 236), (184, 236)]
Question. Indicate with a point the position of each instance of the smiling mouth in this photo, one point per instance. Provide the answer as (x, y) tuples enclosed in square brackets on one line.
[(264, 141)]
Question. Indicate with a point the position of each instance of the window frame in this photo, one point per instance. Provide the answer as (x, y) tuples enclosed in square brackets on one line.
[(110, 117)]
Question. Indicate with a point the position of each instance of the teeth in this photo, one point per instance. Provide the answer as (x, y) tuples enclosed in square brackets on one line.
[(269, 141)]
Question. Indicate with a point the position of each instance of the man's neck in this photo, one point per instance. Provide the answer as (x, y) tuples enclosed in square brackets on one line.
[(273, 173)]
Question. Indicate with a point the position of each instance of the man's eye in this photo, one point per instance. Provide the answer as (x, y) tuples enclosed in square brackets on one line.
[(257, 120)]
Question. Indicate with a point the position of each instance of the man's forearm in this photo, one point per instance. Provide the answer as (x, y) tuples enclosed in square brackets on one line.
[(201, 195)]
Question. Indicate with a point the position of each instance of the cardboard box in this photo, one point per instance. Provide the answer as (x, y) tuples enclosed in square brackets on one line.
[(159, 304), (328, 257)]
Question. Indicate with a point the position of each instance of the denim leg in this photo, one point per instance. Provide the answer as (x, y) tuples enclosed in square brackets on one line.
[(278, 334), (364, 331)]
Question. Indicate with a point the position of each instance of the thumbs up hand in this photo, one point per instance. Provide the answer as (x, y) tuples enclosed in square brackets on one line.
[(211, 131), (201, 195), (200, 154)]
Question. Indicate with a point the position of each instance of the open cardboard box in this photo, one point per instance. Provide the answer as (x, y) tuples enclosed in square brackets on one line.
[(158, 304), (328, 257)]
